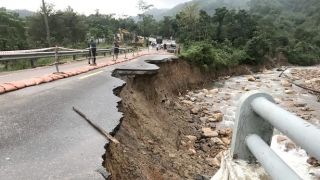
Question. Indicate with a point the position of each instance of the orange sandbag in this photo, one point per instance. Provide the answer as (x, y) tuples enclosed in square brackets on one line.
[(53, 76), (59, 76), (28, 82), (47, 78), (18, 84), (2, 90), (8, 87), (38, 80)]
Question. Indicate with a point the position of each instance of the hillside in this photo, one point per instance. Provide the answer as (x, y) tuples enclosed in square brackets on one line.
[(154, 12), (22, 12), (305, 13), (208, 5), (305, 6)]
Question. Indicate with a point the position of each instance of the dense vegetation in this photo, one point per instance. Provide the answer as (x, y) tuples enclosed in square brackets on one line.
[(207, 5), (266, 28), (214, 33)]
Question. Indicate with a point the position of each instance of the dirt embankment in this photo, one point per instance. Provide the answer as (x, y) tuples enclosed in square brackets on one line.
[(159, 138)]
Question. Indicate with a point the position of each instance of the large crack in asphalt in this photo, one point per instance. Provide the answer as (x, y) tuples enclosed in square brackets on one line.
[(123, 74)]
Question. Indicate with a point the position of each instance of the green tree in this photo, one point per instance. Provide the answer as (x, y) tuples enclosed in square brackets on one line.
[(187, 21), (67, 28), (218, 17), (13, 31), (146, 20)]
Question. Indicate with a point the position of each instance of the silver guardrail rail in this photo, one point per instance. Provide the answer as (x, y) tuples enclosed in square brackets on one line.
[(35, 55), (256, 117)]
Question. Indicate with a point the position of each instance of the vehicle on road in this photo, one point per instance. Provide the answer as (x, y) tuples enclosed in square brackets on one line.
[(172, 43), (159, 40)]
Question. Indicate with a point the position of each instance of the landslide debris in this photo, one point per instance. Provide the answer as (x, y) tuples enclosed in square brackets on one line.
[(163, 134)]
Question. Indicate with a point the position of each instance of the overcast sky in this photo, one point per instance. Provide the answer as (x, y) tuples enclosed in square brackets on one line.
[(128, 7)]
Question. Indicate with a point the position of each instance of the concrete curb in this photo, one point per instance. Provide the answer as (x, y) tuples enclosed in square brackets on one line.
[(16, 85)]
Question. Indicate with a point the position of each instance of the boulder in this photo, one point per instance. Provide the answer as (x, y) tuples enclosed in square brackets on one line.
[(194, 110), (212, 120), (205, 91), (214, 91), (281, 138), (275, 79), (286, 83), (213, 162), (245, 89), (191, 138), (265, 71), (218, 116), (289, 91), (191, 152), (187, 102), (217, 141), (290, 145), (208, 132), (300, 104), (251, 78), (226, 141)]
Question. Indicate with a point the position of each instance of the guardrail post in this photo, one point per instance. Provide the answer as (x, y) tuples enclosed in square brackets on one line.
[(248, 122), (57, 59), (32, 63), (74, 57), (138, 51), (125, 51)]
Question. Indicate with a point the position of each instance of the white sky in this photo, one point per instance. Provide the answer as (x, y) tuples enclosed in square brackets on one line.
[(128, 7)]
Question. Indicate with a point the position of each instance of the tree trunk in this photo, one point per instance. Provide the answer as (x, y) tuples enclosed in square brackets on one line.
[(44, 10)]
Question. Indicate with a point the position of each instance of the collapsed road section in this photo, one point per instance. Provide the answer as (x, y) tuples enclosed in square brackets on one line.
[(43, 138), (151, 131)]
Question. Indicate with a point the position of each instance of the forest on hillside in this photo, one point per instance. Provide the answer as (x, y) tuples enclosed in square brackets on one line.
[(226, 37)]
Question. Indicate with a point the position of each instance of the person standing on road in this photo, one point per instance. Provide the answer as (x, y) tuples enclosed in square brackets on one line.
[(116, 50), (179, 49), (92, 51)]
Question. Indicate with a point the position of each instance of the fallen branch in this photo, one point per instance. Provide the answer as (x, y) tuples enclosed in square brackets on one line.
[(97, 127), (283, 71), (306, 88)]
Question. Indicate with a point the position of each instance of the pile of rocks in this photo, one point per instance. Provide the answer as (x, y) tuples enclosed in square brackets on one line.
[(212, 141)]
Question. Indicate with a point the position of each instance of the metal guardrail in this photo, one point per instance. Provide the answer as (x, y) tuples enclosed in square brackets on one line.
[(256, 117), (35, 55)]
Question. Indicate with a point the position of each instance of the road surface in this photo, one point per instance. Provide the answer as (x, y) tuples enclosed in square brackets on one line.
[(43, 138)]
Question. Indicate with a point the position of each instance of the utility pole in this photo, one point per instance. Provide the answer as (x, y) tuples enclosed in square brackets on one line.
[(44, 10)]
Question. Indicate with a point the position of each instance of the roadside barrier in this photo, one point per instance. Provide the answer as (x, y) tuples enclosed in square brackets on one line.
[(11, 86), (256, 117), (34, 54)]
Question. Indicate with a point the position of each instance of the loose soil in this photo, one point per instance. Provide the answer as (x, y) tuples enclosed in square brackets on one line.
[(159, 138)]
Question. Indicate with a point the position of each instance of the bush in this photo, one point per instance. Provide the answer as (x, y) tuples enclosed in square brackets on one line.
[(303, 54), (208, 56), (257, 48)]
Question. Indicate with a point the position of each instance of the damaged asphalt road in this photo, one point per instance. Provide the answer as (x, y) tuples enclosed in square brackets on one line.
[(41, 137)]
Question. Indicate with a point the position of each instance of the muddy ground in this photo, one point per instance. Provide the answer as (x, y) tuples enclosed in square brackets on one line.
[(163, 135)]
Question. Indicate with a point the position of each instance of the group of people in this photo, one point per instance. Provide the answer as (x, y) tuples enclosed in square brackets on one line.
[(93, 51), (158, 47)]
